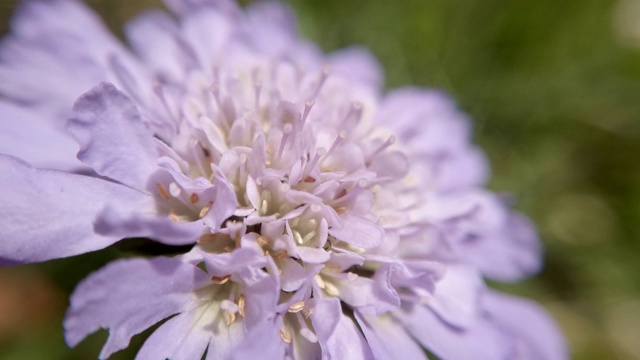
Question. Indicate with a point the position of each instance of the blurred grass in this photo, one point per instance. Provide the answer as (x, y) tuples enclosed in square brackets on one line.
[(554, 91)]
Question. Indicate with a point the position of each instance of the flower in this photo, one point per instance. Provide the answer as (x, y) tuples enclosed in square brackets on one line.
[(327, 220)]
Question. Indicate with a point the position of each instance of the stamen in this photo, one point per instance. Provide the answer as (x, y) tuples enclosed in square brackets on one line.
[(307, 109), (324, 74), (297, 236), (355, 112), (159, 91), (241, 305), (194, 198), (307, 312), (174, 190), (278, 255), (339, 139), (173, 216), (305, 331), (309, 236), (331, 289), (357, 189), (162, 190), (390, 141), (286, 131), (285, 336), (230, 317), (297, 307), (205, 209), (220, 280), (312, 164), (309, 335), (262, 241), (320, 281)]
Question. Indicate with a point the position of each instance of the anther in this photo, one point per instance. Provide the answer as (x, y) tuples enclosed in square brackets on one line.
[(278, 255), (320, 281), (296, 307), (262, 241), (220, 280), (331, 289), (241, 305), (162, 190), (307, 312), (230, 317), (285, 336), (193, 198), (205, 209)]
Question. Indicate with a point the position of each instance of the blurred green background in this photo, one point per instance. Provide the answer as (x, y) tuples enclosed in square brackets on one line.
[(554, 90)]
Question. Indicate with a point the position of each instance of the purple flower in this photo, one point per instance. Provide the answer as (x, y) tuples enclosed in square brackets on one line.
[(328, 220)]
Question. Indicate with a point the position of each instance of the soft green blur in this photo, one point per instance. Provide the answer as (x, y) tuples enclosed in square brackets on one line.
[(553, 88)]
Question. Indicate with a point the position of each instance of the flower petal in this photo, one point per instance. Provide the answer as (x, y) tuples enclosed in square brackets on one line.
[(456, 298), (263, 342), (508, 253), (529, 323), (182, 337), (152, 36), (28, 136), (113, 139), (388, 339), (49, 214), (129, 296), (136, 223), (338, 335), (358, 232), (357, 64), (480, 340)]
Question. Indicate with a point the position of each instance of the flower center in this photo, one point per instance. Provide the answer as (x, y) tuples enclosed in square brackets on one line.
[(305, 168)]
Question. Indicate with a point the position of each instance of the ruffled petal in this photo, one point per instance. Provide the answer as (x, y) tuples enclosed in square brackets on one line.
[(136, 223), (113, 139), (49, 214), (129, 296)]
